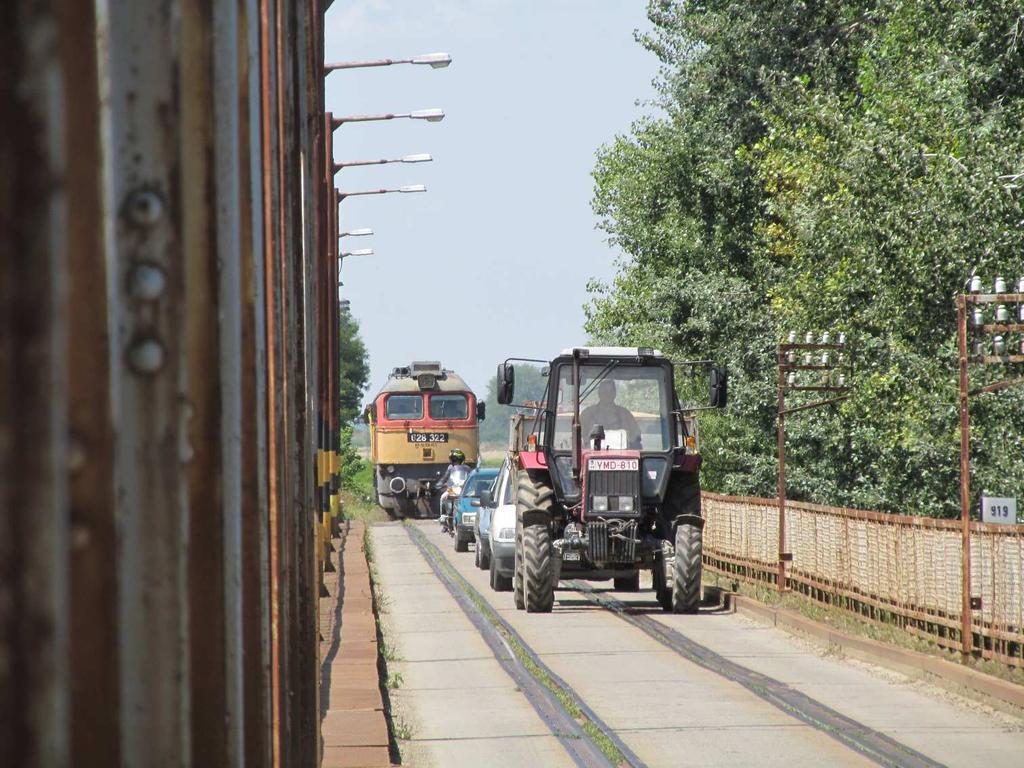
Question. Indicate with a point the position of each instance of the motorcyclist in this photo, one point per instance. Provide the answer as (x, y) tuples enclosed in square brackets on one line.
[(456, 458)]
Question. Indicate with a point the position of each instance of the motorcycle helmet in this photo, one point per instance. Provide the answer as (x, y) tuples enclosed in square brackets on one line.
[(456, 456)]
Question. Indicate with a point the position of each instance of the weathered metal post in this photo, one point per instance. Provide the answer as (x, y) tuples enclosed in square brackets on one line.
[(788, 367), (34, 440), (1001, 356), (966, 634), (782, 472)]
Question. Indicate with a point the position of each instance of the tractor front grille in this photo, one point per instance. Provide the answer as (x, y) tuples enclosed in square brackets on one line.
[(602, 483), (612, 541)]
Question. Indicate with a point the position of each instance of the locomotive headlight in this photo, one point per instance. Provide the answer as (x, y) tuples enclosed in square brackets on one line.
[(600, 503), (625, 503)]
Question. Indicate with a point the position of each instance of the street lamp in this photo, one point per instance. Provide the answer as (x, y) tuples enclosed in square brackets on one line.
[(357, 233), (357, 252), (433, 60), (430, 115), (422, 158), (402, 190)]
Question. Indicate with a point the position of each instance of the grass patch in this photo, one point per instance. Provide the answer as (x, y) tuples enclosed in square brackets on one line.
[(357, 496), (848, 622), (403, 731), (394, 681), (566, 699), (389, 653)]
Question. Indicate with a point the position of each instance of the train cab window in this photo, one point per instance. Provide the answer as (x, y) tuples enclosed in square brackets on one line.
[(449, 407), (404, 407)]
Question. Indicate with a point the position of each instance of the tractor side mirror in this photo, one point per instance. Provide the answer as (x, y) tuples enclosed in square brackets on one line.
[(719, 389), (506, 383), (481, 411), (485, 499)]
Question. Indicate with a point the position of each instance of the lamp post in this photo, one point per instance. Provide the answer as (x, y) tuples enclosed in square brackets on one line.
[(433, 115), (822, 357), (357, 252), (357, 233), (401, 190), (421, 158), (433, 60)]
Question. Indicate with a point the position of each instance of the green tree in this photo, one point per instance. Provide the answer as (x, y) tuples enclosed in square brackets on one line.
[(355, 369), (825, 166)]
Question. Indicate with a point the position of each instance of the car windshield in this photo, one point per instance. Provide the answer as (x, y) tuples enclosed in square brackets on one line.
[(630, 403), (477, 484)]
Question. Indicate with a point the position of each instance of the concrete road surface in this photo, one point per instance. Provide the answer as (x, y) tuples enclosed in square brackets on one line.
[(737, 694)]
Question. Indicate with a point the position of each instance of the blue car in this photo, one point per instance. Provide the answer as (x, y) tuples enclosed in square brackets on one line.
[(469, 506)]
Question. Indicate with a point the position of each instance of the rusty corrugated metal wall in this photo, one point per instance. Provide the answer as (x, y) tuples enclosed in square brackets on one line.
[(168, 381)]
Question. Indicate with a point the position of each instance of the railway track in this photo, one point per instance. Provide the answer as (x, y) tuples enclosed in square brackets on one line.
[(870, 743), (587, 739)]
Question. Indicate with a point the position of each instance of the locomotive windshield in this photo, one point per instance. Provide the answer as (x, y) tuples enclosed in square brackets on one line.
[(449, 407), (404, 407), (631, 403)]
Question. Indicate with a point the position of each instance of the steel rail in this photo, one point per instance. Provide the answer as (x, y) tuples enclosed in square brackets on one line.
[(500, 637), (872, 744)]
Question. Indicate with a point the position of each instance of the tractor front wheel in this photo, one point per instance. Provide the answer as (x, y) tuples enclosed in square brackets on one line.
[(538, 589), (686, 573)]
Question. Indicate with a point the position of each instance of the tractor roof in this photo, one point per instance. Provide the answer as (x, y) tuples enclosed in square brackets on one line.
[(614, 352)]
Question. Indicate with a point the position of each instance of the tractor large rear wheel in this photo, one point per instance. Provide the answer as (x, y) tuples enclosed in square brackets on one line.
[(686, 573), (538, 574)]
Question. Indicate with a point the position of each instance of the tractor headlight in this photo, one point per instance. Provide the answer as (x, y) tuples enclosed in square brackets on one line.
[(625, 503), (600, 503), (391, 469), (506, 534)]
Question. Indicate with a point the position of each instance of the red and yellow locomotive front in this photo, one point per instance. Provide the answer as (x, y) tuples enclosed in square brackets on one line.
[(421, 415)]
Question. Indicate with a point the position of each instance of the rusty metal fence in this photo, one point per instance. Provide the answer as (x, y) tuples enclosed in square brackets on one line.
[(895, 569), (168, 381)]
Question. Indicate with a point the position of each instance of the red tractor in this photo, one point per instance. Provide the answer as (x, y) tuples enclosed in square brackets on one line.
[(607, 476)]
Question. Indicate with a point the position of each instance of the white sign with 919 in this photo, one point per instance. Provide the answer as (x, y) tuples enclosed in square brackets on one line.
[(996, 509)]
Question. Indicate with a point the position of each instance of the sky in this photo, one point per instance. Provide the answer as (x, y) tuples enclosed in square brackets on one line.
[(493, 260)]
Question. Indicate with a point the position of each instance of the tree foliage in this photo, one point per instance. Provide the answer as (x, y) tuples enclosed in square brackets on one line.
[(355, 369), (826, 166)]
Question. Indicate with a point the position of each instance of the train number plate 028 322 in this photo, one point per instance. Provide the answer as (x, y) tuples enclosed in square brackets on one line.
[(613, 465), (428, 437)]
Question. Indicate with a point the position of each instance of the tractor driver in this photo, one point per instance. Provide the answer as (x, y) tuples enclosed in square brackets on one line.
[(610, 415)]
